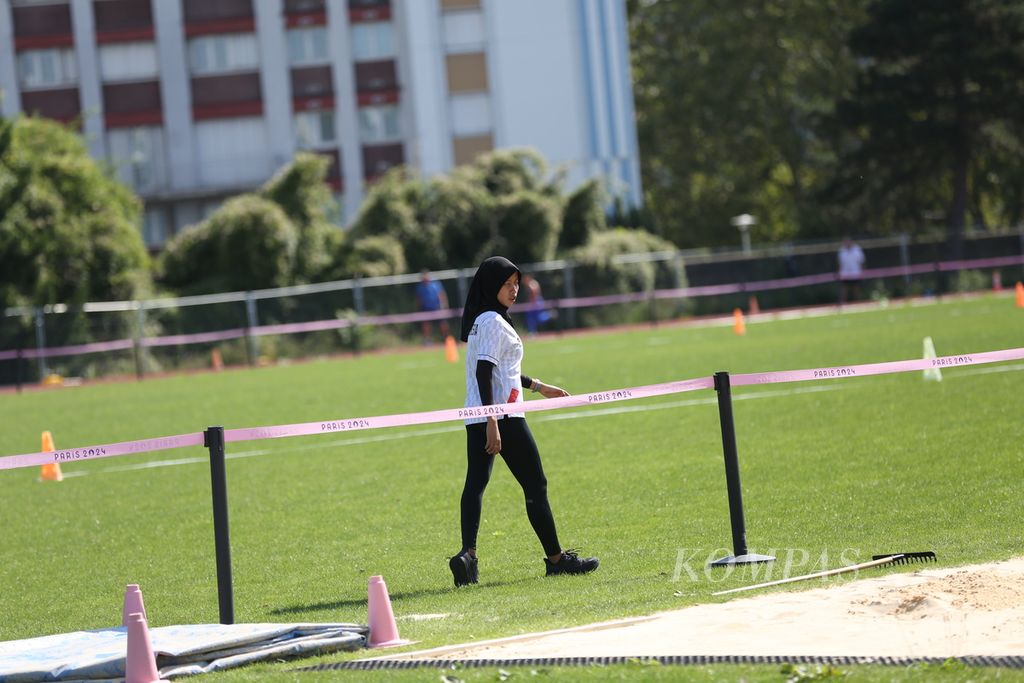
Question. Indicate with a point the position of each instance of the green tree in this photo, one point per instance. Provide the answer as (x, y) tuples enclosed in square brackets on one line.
[(299, 189), (933, 123), (248, 243), (68, 232), (584, 215), (728, 103)]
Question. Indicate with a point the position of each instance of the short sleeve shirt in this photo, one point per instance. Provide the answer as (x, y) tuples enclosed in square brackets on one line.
[(492, 339), (851, 262)]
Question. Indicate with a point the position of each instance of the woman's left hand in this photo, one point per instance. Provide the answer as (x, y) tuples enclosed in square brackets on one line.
[(551, 391)]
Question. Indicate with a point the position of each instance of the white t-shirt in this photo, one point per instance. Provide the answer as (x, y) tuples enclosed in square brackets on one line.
[(851, 262), (493, 339)]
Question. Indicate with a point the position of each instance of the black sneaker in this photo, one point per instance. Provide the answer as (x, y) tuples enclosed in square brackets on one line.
[(571, 564), (464, 569)]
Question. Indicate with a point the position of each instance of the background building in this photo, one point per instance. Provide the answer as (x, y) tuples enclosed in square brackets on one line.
[(192, 101)]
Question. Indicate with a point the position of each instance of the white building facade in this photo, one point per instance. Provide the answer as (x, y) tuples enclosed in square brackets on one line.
[(193, 101)]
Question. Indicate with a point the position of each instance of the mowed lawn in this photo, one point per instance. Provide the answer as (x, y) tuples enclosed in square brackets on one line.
[(833, 471)]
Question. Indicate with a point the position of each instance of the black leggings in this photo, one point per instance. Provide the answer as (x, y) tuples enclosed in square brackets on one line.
[(520, 453)]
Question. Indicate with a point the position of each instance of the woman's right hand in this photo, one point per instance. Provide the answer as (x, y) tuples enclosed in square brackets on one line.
[(493, 436)]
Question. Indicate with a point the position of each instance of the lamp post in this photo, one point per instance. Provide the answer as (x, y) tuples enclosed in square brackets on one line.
[(743, 223)]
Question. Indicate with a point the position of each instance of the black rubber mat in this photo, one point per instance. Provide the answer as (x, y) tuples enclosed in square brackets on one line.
[(1006, 662)]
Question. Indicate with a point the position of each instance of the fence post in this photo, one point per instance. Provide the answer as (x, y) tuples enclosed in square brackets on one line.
[(213, 439), (140, 332), (905, 259), (44, 370), (252, 320), (732, 479), (570, 292), (357, 296)]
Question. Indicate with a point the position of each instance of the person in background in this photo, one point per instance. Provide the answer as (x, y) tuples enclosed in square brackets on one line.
[(494, 354), (430, 296), (537, 314), (851, 268)]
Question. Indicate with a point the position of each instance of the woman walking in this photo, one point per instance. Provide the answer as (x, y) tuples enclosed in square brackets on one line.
[(494, 354)]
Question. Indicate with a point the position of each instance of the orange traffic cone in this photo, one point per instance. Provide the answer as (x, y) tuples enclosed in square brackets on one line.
[(140, 662), (51, 470), (383, 629), (451, 351), (215, 360), (738, 326), (753, 308), (1020, 295)]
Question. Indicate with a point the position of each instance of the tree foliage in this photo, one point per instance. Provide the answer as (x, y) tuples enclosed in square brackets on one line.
[(932, 126), (728, 98), (248, 243), (68, 232), (279, 236), (507, 201)]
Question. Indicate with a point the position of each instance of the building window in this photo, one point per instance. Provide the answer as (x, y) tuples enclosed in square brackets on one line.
[(373, 40), (307, 45), (223, 53), (128, 61), (463, 31), (379, 124), (314, 129), (471, 114), (154, 228), (233, 151), (49, 68), (138, 156)]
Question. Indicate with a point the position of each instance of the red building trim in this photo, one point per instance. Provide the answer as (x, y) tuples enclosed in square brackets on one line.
[(370, 99), (206, 28), (227, 110), (356, 15), (125, 35), (306, 19), (22, 43), (133, 118), (312, 103)]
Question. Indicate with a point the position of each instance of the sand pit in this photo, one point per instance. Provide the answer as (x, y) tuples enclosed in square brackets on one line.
[(972, 610)]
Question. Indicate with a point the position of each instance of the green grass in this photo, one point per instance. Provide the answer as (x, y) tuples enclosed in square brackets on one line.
[(855, 466)]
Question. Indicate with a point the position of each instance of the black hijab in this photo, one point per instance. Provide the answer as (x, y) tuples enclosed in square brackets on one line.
[(483, 291)]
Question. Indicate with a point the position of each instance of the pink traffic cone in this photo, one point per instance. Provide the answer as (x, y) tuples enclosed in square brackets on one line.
[(132, 603), (140, 664), (383, 629)]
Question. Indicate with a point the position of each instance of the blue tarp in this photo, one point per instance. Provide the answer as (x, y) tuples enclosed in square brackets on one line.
[(99, 655)]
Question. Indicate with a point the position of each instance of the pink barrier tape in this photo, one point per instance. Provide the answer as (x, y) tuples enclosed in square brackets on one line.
[(874, 368), (72, 350), (289, 328), (11, 462), (197, 338), (351, 424), (573, 302)]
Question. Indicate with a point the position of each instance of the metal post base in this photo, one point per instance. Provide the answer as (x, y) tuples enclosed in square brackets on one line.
[(749, 558)]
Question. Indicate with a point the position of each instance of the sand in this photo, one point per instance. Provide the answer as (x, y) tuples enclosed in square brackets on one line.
[(955, 612)]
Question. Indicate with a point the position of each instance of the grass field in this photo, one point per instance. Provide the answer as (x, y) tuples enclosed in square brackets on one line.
[(861, 466)]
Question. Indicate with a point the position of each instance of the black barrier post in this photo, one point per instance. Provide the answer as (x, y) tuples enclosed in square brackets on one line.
[(213, 438), (732, 479)]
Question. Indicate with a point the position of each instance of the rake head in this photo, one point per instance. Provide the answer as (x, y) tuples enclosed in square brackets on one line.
[(907, 558)]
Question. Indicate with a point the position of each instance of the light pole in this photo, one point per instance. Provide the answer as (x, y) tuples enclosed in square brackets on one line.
[(743, 223)]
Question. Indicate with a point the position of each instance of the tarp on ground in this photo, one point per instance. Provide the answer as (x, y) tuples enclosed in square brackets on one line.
[(99, 655)]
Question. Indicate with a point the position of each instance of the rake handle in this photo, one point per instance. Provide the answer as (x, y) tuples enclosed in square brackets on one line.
[(828, 572)]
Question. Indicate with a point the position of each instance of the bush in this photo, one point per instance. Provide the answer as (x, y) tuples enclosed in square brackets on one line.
[(597, 273)]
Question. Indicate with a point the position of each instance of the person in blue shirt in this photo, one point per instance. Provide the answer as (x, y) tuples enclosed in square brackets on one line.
[(430, 296)]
